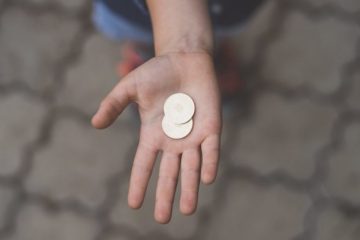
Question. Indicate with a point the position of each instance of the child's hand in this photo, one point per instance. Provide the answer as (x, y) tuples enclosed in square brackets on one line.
[(196, 155)]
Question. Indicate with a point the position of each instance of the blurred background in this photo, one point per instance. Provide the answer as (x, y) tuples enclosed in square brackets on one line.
[(290, 166)]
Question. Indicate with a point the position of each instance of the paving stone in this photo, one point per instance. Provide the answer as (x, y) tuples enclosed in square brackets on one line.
[(142, 220), (253, 212), (284, 135), (117, 237), (304, 55), (31, 45), (35, 223), (348, 5), (79, 160), (21, 118), (254, 30), (229, 129), (354, 96), (6, 197), (344, 168), (334, 225), (69, 4), (93, 77)]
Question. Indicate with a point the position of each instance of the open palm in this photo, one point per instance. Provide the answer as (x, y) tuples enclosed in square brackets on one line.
[(196, 155)]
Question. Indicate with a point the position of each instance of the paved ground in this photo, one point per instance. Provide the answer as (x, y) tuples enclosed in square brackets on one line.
[(290, 165)]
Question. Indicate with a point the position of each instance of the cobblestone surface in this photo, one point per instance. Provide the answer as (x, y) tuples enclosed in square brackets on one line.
[(19, 126), (32, 45), (354, 96), (348, 5), (347, 181), (308, 47), (97, 53), (35, 223), (6, 196), (76, 167), (290, 165), (246, 204), (71, 5), (334, 225), (284, 135)]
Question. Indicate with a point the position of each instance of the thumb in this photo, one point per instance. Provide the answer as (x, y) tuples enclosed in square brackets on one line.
[(114, 103)]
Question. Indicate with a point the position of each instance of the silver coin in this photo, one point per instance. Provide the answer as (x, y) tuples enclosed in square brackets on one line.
[(176, 131), (179, 108)]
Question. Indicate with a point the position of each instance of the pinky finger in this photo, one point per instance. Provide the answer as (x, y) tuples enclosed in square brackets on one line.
[(210, 149)]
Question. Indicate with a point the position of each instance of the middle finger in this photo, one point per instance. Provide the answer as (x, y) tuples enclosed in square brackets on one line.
[(166, 186)]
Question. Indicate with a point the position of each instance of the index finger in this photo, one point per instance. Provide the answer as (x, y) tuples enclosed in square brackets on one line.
[(140, 174)]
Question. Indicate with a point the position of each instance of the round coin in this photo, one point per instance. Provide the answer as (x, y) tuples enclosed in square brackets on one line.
[(179, 108), (176, 131)]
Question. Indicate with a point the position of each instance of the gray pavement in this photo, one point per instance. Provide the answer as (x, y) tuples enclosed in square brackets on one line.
[(290, 166)]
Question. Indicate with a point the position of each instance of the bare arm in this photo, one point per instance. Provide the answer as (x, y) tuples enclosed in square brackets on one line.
[(181, 26), (183, 63)]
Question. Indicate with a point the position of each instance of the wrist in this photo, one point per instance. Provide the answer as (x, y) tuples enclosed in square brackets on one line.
[(181, 26), (187, 43)]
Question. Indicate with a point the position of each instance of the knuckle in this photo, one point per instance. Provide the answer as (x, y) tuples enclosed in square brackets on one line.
[(191, 170), (210, 164), (111, 105), (191, 166), (142, 167), (164, 179)]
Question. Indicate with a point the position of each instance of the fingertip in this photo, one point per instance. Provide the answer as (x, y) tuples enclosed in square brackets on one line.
[(208, 179), (188, 203), (162, 217), (187, 211), (97, 122), (102, 118), (161, 221), (208, 174), (162, 212), (134, 204), (210, 154), (134, 198)]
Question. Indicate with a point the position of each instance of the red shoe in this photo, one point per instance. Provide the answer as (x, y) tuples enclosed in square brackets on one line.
[(133, 55), (228, 72)]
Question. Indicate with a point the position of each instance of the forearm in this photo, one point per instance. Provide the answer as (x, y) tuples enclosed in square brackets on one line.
[(181, 26)]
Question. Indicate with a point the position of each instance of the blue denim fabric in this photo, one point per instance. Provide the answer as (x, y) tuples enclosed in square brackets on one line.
[(117, 28)]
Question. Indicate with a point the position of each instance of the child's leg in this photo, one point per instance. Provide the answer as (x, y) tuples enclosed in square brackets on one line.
[(137, 47), (116, 27), (227, 62), (137, 43)]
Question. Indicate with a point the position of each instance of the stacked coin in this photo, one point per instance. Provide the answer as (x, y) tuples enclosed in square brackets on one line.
[(179, 109)]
